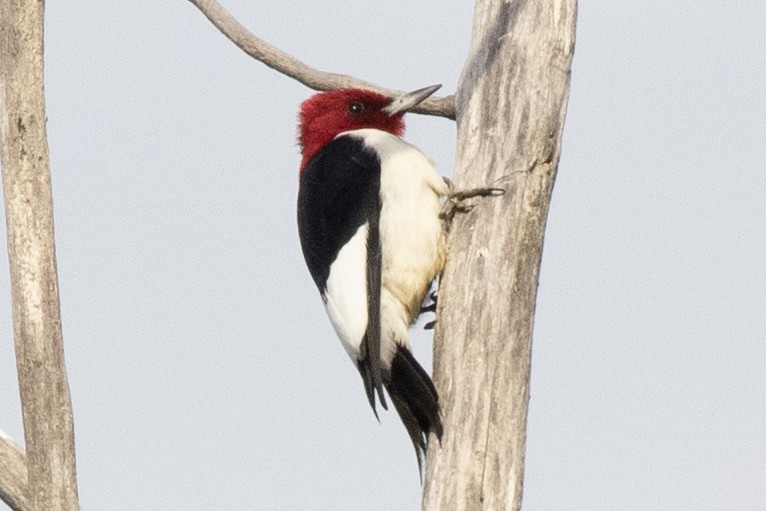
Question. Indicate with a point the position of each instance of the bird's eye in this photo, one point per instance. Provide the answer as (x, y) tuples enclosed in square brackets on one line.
[(355, 108)]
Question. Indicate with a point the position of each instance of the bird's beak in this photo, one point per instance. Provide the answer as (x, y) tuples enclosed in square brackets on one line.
[(410, 100)]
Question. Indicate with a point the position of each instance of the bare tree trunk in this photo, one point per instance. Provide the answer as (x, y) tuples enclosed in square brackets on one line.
[(46, 406), (510, 105)]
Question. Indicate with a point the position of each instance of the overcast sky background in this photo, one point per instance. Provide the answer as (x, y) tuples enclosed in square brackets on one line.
[(203, 370)]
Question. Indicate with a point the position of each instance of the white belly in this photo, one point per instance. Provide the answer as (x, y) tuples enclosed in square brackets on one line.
[(411, 233)]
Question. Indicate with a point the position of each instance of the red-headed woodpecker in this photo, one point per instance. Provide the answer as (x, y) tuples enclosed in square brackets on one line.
[(368, 218)]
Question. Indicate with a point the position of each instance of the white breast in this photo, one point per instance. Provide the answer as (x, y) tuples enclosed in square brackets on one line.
[(411, 233)]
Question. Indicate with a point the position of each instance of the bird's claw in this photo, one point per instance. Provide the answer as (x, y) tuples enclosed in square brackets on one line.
[(431, 307), (457, 200)]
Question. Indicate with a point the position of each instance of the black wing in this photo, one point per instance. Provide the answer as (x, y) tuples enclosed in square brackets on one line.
[(339, 192)]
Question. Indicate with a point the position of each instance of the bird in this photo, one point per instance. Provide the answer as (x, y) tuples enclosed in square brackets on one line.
[(372, 238)]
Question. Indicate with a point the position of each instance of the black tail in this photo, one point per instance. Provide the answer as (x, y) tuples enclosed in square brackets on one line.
[(415, 398)]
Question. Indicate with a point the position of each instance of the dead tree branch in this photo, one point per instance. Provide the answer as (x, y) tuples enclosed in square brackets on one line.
[(46, 406), (290, 66), (13, 476)]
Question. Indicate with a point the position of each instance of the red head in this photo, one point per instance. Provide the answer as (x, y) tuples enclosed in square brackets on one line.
[(323, 116)]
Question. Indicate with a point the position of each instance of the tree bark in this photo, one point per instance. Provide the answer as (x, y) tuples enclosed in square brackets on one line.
[(511, 104), (46, 406), (13, 475)]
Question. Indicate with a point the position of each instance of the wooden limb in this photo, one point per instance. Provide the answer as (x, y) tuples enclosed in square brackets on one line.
[(46, 406), (13, 474), (290, 66)]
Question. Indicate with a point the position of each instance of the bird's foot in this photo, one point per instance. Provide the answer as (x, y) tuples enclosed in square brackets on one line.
[(459, 201), (431, 307)]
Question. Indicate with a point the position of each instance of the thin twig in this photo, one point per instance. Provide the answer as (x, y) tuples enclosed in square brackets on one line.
[(294, 68)]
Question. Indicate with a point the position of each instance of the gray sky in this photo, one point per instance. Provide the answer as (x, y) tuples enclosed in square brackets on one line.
[(203, 370)]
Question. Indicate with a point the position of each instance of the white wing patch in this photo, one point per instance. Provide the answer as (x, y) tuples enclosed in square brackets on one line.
[(346, 294)]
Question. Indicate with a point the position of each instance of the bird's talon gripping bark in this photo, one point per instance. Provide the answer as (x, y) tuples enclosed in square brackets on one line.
[(457, 200), (431, 307)]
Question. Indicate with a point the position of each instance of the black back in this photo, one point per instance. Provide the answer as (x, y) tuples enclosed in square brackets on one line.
[(339, 190)]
